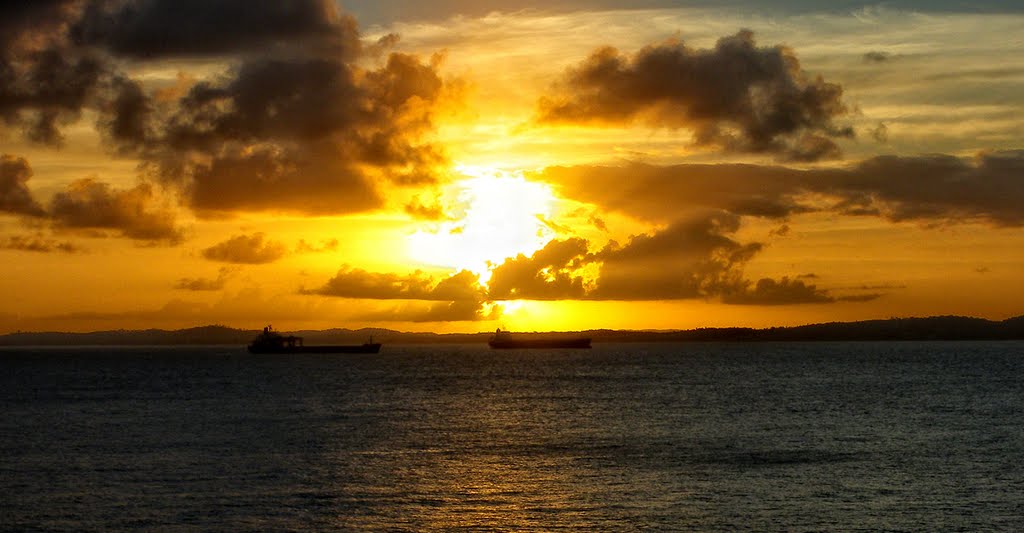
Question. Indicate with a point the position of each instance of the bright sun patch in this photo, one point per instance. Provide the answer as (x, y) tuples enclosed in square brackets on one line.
[(498, 215)]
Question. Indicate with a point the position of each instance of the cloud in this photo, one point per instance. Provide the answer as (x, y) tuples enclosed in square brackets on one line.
[(876, 56), (306, 179), (458, 297), (358, 283), (246, 249), (880, 133), (660, 193), (206, 284), (693, 258), (134, 213), (307, 134), (433, 212), (304, 247), (546, 275), (154, 29), (458, 311), (785, 291), (38, 243), (736, 96), (14, 194), (938, 188), (930, 189), (43, 82), (301, 128), (298, 121)]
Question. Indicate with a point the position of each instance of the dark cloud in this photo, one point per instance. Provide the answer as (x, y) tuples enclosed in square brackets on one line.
[(661, 194), (358, 283), (309, 179), (134, 213), (737, 95), (930, 189), (14, 194), (44, 83), (546, 275), (246, 249), (308, 134), (875, 56), (782, 292), (457, 297), (206, 284), (148, 29), (880, 133), (692, 258), (38, 16), (936, 189), (296, 123), (43, 89), (38, 243)]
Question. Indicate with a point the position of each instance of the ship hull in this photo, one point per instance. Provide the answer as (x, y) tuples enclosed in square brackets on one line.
[(511, 344), (370, 347)]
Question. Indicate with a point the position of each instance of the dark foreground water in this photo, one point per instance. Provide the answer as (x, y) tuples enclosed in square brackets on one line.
[(702, 437)]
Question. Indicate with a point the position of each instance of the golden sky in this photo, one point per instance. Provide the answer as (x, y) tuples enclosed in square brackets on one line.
[(460, 166)]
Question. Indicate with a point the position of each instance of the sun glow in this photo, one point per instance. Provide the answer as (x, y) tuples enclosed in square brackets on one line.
[(494, 215)]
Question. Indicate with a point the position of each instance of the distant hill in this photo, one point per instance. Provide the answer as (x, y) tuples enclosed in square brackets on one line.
[(931, 328)]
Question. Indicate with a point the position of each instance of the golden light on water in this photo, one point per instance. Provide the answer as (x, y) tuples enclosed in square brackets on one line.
[(495, 214)]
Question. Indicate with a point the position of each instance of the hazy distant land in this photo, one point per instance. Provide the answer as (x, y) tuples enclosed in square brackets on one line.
[(931, 328)]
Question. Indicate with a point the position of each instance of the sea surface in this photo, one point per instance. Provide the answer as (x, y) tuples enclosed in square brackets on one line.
[(892, 436)]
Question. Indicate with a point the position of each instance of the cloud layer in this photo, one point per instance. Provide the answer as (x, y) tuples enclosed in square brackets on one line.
[(930, 189)]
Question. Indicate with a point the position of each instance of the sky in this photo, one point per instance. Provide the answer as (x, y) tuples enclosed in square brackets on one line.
[(461, 166)]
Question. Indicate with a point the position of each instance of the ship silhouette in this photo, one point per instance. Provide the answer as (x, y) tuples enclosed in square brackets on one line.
[(505, 340), (270, 341)]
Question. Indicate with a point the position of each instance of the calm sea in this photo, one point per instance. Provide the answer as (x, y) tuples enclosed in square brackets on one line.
[(901, 436)]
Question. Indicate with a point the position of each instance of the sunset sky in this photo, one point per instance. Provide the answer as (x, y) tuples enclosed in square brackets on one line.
[(461, 166)]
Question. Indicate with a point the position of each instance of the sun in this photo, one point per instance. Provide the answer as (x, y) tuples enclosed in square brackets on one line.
[(496, 214)]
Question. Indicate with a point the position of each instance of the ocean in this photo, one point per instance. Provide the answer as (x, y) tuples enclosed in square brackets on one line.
[(873, 436)]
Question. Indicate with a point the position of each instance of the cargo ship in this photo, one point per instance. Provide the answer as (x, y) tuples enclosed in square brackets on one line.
[(271, 341), (503, 340)]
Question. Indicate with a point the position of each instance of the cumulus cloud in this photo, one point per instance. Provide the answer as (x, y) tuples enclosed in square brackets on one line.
[(297, 122), (545, 275), (689, 259), (246, 249), (737, 96), (134, 213), (14, 194), (929, 189), (206, 284), (302, 128)]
